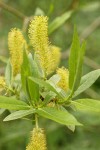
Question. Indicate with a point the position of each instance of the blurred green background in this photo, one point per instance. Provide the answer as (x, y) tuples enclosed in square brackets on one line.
[(14, 134)]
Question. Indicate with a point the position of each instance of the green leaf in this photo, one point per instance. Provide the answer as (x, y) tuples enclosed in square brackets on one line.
[(46, 85), (57, 22), (86, 105), (30, 68), (12, 104), (25, 72), (33, 90), (73, 59), (19, 114), (8, 74), (60, 116), (75, 63), (70, 127), (79, 68), (87, 80)]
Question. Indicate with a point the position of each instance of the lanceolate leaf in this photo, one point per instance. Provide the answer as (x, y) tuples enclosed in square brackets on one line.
[(57, 22), (86, 105), (12, 104), (75, 63), (33, 90), (87, 80), (33, 87), (79, 67), (74, 57), (60, 116), (29, 68), (19, 114), (25, 72)]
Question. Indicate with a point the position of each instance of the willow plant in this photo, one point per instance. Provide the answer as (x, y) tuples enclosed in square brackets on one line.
[(34, 83)]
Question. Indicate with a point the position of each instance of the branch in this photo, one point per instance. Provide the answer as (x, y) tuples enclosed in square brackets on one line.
[(12, 10)]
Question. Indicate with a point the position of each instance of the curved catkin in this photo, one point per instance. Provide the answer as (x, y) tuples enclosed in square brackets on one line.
[(38, 140), (38, 35), (16, 44), (64, 81)]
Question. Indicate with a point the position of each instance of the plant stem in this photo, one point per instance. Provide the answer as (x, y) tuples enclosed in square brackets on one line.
[(12, 10), (36, 120)]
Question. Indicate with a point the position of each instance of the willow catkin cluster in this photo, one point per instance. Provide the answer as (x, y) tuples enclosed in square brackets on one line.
[(38, 34), (16, 43), (38, 140), (64, 81)]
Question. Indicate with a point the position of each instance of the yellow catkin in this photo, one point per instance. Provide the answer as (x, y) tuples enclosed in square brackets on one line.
[(56, 55), (16, 43), (38, 140), (38, 34), (2, 82), (64, 81)]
